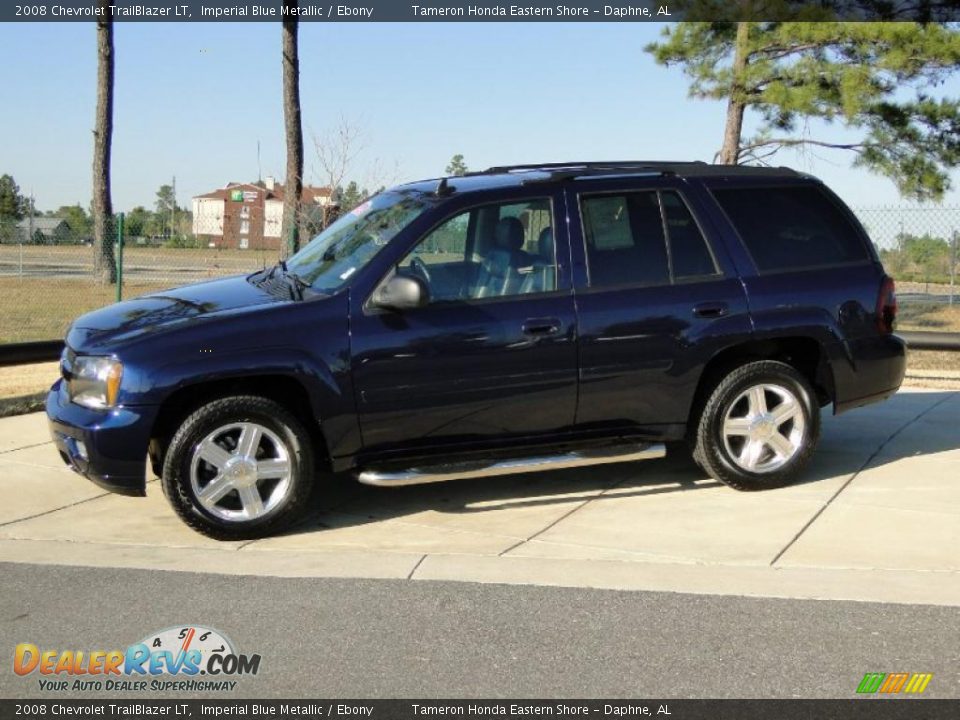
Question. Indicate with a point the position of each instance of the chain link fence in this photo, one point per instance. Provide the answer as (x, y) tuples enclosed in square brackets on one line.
[(50, 274), (920, 247), (48, 267)]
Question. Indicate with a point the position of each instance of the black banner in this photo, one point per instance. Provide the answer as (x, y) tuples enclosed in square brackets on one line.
[(479, 10), (854, 709)]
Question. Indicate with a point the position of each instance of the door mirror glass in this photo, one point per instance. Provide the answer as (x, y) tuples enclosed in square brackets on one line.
[(401, 292)]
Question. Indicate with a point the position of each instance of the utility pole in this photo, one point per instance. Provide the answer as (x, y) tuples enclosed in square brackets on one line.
[(30, 222), (173, 207)]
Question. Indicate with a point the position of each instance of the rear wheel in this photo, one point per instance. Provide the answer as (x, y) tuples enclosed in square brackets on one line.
[(759, 427), (238, 468)]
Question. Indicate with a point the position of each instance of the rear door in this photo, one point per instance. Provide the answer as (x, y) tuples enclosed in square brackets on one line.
[(656, 299)]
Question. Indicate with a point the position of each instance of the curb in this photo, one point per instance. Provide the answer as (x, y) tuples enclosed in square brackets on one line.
[(795, 582)]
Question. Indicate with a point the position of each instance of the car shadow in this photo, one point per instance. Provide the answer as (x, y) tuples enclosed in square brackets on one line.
[(849, 443)]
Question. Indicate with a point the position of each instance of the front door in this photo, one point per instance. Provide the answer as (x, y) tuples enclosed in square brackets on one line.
[(493, 356)]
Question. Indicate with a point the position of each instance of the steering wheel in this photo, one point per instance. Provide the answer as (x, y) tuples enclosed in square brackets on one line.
[(420, 267)]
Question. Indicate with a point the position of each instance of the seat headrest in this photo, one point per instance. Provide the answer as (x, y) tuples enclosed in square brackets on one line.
[(509, 233), (545, 243)]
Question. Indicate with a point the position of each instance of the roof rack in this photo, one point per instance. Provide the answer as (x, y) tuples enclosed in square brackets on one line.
[(569, 170), (607, 165)]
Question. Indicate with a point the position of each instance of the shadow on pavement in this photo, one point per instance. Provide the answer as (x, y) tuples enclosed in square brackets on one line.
[(847, 444)]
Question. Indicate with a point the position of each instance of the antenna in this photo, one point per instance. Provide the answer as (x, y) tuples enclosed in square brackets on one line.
[(443, 188), (259, 169)]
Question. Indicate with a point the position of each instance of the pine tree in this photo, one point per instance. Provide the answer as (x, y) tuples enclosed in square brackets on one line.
[(13, 206), (457, 166), (104, 265), (871, 77)]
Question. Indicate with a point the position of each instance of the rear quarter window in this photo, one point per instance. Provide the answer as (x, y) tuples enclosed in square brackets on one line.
[(786, 228)]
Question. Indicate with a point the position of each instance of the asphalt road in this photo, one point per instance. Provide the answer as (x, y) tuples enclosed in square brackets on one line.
[(396, 638)]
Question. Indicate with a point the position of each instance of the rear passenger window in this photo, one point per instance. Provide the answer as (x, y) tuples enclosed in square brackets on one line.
[(791, 227), (689, 253), (642, 238)]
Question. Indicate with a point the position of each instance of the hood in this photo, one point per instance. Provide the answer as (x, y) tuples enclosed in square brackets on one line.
[(165, 309)]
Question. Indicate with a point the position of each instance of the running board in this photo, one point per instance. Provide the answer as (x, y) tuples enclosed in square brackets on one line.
[(490, 468)]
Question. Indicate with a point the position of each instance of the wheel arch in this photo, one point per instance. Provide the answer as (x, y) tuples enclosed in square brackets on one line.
[(804, 353), (286, 390)]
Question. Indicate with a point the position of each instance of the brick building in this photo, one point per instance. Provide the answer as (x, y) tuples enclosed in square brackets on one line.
[(249, 215)]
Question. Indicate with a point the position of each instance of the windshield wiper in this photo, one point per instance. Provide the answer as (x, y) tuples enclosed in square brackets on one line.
[(260, 277), (297, 283)]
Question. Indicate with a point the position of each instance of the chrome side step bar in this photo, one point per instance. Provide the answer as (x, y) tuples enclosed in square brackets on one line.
[(490, 468)]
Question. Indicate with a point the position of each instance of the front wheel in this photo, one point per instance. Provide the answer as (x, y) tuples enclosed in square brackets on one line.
[(238, 468), (759, 427)]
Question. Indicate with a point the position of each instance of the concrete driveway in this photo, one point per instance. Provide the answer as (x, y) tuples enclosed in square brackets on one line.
[(876, 517)]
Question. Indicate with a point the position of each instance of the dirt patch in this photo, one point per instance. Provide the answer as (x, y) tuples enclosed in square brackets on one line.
[(27, 379)]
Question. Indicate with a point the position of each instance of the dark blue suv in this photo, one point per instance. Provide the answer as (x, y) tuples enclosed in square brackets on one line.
[(518, 319)]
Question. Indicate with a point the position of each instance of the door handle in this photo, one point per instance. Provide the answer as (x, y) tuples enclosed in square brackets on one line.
[(710, 310), (542, 327)]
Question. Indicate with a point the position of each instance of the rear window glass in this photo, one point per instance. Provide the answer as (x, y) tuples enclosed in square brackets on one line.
[(625, 240), (791, 227)]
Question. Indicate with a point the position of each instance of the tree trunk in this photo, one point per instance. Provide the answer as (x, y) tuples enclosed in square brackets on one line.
[(103, 236), (293, 189), (730, 152)]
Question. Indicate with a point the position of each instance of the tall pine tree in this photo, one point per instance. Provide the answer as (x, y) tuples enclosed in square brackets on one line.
[(875, 78)]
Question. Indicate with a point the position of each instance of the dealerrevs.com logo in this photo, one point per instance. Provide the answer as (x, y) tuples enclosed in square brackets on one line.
[(186, 658)]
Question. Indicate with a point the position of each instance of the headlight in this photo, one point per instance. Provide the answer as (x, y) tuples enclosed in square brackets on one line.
[(95, 381)]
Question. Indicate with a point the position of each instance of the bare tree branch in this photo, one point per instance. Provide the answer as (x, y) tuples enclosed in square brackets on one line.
[(336, 151)]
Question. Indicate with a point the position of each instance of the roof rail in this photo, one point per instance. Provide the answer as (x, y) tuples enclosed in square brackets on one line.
[(569, 170), (607, 165)]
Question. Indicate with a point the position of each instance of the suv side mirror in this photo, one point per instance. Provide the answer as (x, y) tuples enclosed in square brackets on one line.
[(401, 292)]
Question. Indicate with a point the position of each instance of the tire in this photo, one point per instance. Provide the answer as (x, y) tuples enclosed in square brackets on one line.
[(239, 468), (759, 427)]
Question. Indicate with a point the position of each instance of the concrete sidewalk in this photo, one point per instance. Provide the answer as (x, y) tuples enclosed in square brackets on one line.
[(877, 517)]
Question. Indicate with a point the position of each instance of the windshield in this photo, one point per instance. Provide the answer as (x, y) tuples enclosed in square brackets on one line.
[(329, 260)]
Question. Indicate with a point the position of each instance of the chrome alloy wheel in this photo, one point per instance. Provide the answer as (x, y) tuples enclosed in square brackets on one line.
[(764, 428), (240, 472)]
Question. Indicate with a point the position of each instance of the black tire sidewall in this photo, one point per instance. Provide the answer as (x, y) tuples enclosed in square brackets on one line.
[(176, 469)]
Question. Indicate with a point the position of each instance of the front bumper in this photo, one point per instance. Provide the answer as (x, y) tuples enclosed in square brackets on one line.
[(106, 447)]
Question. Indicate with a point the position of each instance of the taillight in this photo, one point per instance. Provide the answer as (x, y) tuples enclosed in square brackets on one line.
[(887, 305)]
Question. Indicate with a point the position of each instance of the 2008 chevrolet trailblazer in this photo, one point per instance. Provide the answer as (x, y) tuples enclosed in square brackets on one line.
[(518, 319)]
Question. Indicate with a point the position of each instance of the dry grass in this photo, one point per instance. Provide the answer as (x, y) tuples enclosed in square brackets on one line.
[(23, 389), (27, 379), (204, 259), (42, 309), (930, 360), (929, 318), (43, 288)]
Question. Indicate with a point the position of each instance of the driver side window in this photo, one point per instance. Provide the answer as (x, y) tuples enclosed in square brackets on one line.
[(497, 250)]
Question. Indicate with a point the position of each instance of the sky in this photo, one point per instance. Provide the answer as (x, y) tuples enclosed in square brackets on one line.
[(193, 100)]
